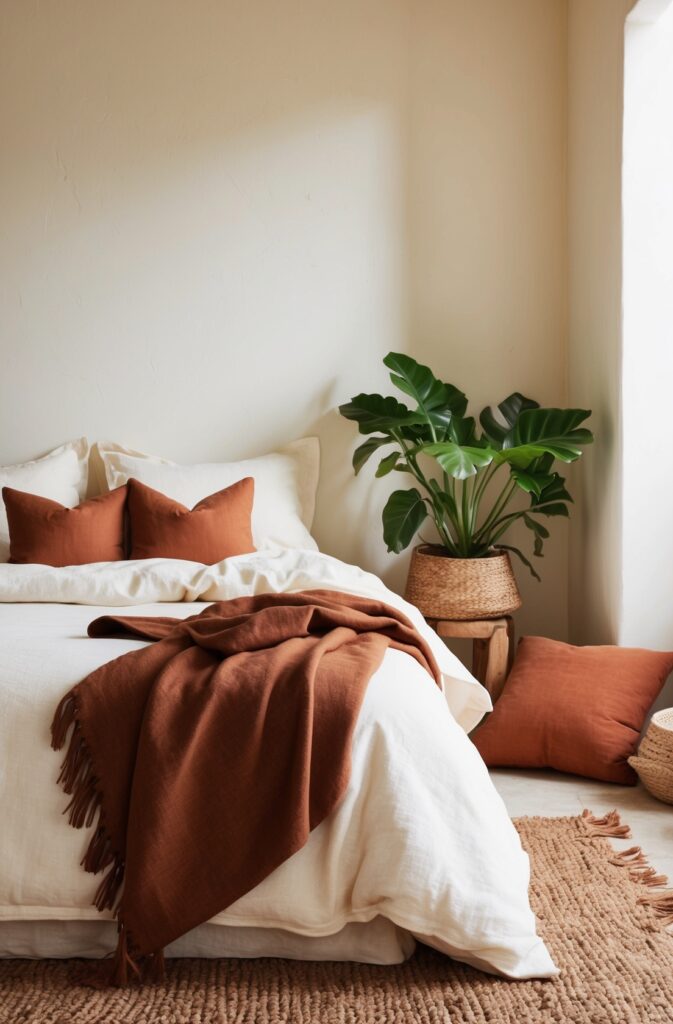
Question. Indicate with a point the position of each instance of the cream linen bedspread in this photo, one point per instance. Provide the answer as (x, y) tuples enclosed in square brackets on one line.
[(421, 838)]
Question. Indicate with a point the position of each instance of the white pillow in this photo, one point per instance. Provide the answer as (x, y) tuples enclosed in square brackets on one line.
[(285, 485), (61, 475)]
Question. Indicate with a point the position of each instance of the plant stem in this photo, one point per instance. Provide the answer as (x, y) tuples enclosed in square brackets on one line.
[(504, 523), (501, 503), (481, 486), (466, 516), (437, 511)]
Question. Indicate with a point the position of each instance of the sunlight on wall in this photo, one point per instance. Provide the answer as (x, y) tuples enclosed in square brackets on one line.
[(647, 540), (217, 217)]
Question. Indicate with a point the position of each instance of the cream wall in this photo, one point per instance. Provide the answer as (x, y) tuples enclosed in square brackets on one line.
[(487, 221), (204, 227), (218, 216), (595, 116)]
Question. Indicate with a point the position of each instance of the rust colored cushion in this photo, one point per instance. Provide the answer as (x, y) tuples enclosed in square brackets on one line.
[(576, 709), (43, 531), (218, 527)]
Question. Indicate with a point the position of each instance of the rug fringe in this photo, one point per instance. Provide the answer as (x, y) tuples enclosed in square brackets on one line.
[(609, 825), (635, 861), (661, 905)]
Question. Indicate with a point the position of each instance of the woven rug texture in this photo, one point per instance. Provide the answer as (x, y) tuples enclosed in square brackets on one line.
[(604, 917)]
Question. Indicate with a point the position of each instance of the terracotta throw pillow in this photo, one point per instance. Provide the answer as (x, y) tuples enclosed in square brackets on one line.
[(218, 527), (45, 532), (576, 709)]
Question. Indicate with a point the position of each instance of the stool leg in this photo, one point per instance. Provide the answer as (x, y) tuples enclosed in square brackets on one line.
[(511, 642), (496, 662), (480, 659)]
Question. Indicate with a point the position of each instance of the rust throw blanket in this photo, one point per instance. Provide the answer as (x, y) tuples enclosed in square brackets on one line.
[(210, 755)]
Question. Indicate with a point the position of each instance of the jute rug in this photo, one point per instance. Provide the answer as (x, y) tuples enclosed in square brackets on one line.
[(603, 915)]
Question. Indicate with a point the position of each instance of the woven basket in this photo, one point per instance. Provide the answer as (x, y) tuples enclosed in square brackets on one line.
[(461, 588), (654, 762)]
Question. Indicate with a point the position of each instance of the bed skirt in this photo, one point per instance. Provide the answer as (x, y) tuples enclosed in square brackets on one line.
[(375, 942)]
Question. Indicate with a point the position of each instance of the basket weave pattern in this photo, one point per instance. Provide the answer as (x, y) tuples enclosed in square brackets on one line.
[(461, 588), (654, 762)]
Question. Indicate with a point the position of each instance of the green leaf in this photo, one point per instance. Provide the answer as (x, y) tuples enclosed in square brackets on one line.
[(438, 402), (510, 409), (387, 464), (364, 451), (553, 498), (445, 500), (553, 510), (519, 554), (415, 380), (532, 483), (459, 461), (541, 533), (539, 432), (403, 515), (455, 400), (374, 412), (554, 490), (462, 431)]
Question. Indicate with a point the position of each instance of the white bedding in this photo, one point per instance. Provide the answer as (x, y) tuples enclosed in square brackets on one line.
[(421, 838)]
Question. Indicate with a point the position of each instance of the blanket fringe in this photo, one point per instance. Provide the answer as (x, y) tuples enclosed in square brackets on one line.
[(635, 861), (79, 781), (155, 970), (123, 963)]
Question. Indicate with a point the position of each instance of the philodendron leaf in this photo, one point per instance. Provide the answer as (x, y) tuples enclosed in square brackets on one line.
[(553, 498), (415, 380), (438, 402), (387, 464), (459, 461), (553, 509), (553, 432), (532, 483), (365, 450), (374, 412), (519, 554), (497, 427), (462, 431), (554, 491), (403, 515), (541, 533)]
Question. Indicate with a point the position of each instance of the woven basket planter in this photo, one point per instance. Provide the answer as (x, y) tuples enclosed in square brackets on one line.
[(461, 588), (654, 762)]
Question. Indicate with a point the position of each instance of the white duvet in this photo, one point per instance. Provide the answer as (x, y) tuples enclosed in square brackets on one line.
[(421, 838)]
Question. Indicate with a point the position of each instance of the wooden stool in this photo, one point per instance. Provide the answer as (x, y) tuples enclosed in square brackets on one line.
[(492, 647)]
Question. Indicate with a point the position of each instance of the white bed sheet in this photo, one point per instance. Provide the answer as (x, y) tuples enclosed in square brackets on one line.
[(420, 839)]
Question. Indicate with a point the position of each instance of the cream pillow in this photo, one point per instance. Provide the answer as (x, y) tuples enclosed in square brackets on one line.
[(61, 475), (285, 485)]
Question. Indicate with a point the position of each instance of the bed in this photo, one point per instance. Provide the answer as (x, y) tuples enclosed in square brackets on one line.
[(421, 846)]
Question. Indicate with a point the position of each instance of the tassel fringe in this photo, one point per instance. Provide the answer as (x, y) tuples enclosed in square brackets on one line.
[(609, 825), (635, 861), (79, 781)]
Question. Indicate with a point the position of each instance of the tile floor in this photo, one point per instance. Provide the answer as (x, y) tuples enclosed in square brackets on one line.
[(552, 794)]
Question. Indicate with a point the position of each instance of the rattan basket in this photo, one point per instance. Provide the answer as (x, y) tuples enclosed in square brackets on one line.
[(654, 761), (461, 588)]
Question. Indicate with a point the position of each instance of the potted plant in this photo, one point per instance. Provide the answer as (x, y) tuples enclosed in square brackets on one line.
[(467, 481)]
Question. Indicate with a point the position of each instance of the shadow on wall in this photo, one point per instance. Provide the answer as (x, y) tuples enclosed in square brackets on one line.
[(218, 217), (355, 532), (204, 229)]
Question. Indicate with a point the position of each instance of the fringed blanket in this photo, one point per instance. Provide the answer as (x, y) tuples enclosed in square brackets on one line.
[(206, 758)]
